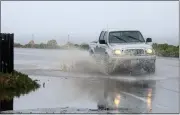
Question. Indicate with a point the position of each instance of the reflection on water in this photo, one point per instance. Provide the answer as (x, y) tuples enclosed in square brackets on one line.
[(84, 93), (149, 99), (117, 100), (8, 94), (115, 96)]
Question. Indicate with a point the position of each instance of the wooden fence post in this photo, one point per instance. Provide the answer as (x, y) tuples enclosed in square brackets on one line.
[(6, 63)]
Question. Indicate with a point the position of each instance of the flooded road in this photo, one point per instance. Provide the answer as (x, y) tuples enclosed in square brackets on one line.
[(71, 79)]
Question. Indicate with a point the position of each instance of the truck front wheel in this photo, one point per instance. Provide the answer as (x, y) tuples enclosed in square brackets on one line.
[(150, 68), (91, 53), (108, 66)]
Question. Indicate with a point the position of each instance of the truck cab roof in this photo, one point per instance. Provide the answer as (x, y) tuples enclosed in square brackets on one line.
[(110, 30)]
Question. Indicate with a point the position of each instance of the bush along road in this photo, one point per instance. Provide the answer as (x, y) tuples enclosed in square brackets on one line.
[(166, 50), (15, 84)]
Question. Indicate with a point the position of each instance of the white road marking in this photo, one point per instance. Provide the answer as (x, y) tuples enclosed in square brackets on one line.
[(144, 100), (132, 95)]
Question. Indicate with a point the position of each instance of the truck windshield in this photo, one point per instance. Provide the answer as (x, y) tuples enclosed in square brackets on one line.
[(125, 37)]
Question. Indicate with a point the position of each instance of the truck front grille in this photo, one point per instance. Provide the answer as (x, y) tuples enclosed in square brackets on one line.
[(135, 52)]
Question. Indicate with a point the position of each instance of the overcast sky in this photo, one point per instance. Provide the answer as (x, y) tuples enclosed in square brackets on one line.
[(84, 20)]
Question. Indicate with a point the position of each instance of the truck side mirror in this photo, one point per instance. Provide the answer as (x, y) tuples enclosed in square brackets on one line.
[(102, 41), (148, 40)]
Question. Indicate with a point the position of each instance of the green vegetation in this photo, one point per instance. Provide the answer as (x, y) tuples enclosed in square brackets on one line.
[(15, 84), (84, 46), (166, 50), (51, 44)]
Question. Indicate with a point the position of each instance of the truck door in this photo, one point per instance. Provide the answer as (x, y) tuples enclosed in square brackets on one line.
[(97, 48), (102, 47)]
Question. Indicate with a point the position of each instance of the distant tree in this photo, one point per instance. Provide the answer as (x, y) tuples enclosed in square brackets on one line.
[(163, 46), (52, 44), (76, 45), (84, 46), (177, 47), (154, 45), (31, 44), (42, 45), (18, 45), (36, 46), (27, 46)]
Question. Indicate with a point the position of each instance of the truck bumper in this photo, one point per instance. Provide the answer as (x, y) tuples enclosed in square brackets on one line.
[(131, 61)]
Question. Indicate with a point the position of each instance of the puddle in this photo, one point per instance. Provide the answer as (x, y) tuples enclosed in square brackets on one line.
[(85, 87)]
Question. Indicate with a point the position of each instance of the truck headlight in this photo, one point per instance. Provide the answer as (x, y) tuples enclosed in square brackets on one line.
[(149, 51), (117, 52)]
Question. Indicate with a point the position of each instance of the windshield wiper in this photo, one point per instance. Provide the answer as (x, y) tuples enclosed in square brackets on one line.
[(120, 38), (134, 38)]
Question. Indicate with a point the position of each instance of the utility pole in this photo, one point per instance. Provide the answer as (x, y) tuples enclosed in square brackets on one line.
[(32, 40), (68, 38), (33, 37), (68, 41)]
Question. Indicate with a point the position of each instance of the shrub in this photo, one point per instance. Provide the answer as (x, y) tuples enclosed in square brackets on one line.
[(16, 83)]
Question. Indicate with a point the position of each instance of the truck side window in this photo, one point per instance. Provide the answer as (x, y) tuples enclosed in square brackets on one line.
[(102, 35), (105, 36)]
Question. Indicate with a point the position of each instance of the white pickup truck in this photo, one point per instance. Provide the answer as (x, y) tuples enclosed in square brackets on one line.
[(127, 49)]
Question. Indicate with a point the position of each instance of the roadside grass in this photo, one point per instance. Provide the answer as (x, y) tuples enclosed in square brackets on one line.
[(15, 84)]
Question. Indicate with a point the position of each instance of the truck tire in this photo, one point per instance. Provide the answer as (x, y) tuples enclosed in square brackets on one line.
[(91, 53), (150, 68), (108, 66)]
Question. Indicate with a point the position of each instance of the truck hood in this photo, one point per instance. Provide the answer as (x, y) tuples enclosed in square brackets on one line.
[(130, 45)]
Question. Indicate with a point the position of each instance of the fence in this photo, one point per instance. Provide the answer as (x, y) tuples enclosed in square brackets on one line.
[(6, 63)]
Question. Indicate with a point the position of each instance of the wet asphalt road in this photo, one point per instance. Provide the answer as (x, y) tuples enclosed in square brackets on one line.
[(72, 80)]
